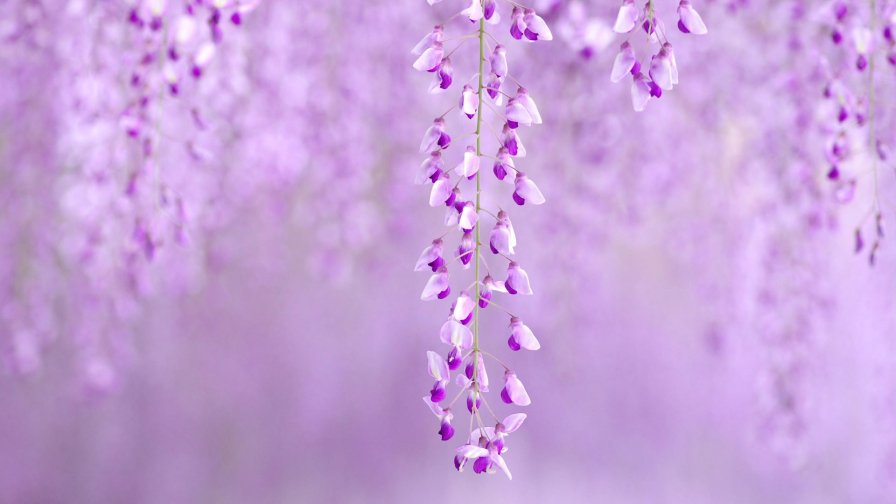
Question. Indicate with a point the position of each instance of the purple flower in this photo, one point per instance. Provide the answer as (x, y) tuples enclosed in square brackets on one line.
[(443, 78), (517, 25), (498, 61), (536, 28), (469, 101), (446, 431), (463, 308), (437, 286), (641, 92), (517, 114), (431, 38), (627, 17), (441, 191), (435, 136), (431, 257), (523, 98), (468, 217), (489, 11), (517, 281), (521, 336), (526, 190), (474, 12), (470, 165), (512, 142), (689, 21), (438, 369), (465, 249), (514, 392), (661, 69), (624, 63), (503, 164), (456, 334), (430, 169), (502, 239), (431, 58)]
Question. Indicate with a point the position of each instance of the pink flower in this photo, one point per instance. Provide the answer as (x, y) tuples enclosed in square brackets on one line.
[(627, 18), (689, 21), (437, 286), (514, 392), (517, 281), (526, 190), (521, 336)]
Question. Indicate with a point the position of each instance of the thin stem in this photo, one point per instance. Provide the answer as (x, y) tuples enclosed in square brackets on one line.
[(872, 137), (476, 355)]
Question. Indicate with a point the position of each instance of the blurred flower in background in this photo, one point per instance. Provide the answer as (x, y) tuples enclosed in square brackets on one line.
[(209, 226)]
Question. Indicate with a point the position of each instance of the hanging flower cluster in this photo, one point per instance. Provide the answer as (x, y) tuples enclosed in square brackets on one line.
[(461, 189), (850, 110), (662, 73)]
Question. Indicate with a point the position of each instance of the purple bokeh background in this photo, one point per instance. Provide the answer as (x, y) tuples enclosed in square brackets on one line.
[(280, 355)]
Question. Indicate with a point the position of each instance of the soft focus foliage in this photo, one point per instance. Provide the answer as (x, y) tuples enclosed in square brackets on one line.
[(208, 236)]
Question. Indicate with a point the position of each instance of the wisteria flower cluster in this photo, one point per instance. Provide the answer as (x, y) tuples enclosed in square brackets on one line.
[(851, 106), (662, 72), (461, 190)]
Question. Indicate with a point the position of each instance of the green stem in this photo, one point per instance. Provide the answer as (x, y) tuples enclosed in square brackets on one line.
[(476, 353)]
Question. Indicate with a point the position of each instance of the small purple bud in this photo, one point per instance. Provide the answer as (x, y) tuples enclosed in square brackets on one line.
[(836, 37), (834, 173)]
